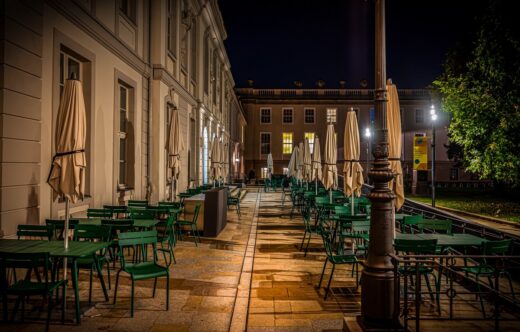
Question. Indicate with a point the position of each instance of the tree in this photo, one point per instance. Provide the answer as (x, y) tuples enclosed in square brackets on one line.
[(480, 88)]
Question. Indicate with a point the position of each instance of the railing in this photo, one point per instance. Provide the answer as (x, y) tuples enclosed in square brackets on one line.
[(328, 93), (459, 288)]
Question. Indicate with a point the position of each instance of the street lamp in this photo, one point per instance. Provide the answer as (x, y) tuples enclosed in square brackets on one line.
[(367, 137), (433, 115)]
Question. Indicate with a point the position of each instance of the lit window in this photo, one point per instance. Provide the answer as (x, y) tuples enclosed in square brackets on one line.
[(419, 116), (265, 115), (287, 143), (331, 115), (309, 115), (310, 137), (263, 173), (287, 115), (265, 143)]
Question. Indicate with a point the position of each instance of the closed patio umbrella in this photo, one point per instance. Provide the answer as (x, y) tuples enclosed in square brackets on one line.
[(307, 162), (67, 174), (223, 161), (292, 168), (352, 170), (330, 169), (316, 162), (215, 160), (393, 123), (174, 146), (270, 164), (299, 161)]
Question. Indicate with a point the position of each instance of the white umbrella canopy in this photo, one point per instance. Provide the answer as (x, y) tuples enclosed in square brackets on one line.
[(292, 168), (330, 169), (299, 161), (316, 160), (223, 161), (352, 170), (270, 165), (215, 159), (67, 174), (307, 161), (393, 123), (174, 146)]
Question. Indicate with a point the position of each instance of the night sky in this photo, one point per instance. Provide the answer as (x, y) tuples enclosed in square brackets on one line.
[(277, 42)]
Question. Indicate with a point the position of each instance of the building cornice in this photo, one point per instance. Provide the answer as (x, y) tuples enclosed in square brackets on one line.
[(99, 32), (160, 73), (322, 95)]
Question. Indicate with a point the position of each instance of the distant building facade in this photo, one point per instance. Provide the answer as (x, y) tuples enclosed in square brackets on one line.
[(278, 119), (138, 61)]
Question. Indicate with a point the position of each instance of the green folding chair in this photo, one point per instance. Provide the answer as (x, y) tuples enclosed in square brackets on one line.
[(192, 223), (26, 287), (35, 232), (144, 268)]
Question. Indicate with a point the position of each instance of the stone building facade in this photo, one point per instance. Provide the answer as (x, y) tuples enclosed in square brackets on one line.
[(138, 60), (278, 119)]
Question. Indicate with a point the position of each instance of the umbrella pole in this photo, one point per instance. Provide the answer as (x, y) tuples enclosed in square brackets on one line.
[(352, 202), (330, 196), (172, 189), (316, 185), (66, 242)]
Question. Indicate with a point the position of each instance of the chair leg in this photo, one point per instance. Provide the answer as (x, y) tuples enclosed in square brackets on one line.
[(330, 279), (90, 286), (115, 288), (357, 275), (63, 297), (323, 272), (429, 286), (303, 240), (108, 275), (154, 286), (308, 243), (510, 285), (49, 311), (194, 235)]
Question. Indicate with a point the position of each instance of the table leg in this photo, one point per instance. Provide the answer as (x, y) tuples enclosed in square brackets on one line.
[(100, 275), (75, 285)]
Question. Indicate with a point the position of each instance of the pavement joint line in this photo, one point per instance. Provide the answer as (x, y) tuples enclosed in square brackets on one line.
[(243, 296)]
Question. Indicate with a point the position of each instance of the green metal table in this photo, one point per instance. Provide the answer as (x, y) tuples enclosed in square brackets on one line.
[(138, 223), (76, 250), (446, 240)]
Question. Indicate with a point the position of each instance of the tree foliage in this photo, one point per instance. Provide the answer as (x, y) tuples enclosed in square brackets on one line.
[(480, 88)]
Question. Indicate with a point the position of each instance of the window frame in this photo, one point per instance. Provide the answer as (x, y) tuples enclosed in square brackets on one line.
[(172, 31), (292, 115), (305, 115), (286, 143), (311, 143), (131, 15), (262, 143), (332, 113), (270, 115)]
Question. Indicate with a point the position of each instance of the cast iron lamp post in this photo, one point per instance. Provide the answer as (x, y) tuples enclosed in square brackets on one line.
[(367, 138), (378, 299), (433, 115)]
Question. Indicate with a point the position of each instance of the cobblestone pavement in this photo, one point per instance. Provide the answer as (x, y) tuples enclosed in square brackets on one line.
[(284, 293), (203, 289), (252, 276)]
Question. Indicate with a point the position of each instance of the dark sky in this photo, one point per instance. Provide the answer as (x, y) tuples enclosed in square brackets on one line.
[(277, 42)]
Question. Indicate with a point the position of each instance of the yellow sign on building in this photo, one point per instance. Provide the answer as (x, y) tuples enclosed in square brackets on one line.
[(420, 153)]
